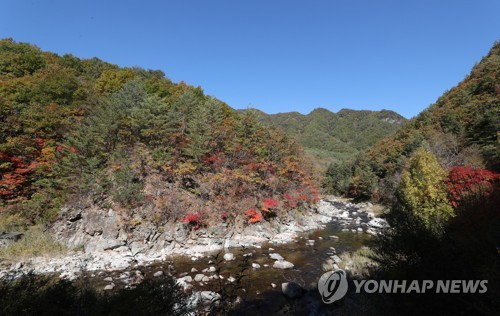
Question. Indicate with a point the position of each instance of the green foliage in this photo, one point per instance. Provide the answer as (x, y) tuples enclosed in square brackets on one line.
[(463, 250), (342, 135), (150, 121), (113, 80), (17, 60), (86, 131), (364, 182), (462, 127), (127, 186), (423, 191), (338, 178)]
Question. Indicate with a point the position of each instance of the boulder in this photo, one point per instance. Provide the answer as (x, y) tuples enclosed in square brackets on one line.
[(199, 277), (109, 287), (158, 274), (378, 223), (255, 265), (228, 256), (209, 296), (282, 264), (276, 256)]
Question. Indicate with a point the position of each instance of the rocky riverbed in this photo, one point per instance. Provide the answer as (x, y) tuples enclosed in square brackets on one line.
[(106, 247), (283, 259)]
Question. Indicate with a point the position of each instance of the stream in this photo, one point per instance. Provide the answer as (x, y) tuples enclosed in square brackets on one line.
[(307, 257)]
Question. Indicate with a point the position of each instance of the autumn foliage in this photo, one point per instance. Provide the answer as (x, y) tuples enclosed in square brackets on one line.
[(194, 220), (77, 130), (253, 215), (465, 183)]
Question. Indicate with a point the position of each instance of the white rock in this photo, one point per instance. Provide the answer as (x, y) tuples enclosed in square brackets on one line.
[(109, 287), (228, 256), (378, 223), (199, 277), (209, 296), (276, 256), (255, 265), (158, 274), (282, 264)]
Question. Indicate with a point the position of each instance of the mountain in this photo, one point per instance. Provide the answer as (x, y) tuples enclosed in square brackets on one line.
[(88, 133), (461, 128), (329, 136)]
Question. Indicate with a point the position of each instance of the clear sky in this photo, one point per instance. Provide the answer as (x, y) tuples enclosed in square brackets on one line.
[(276, 55)]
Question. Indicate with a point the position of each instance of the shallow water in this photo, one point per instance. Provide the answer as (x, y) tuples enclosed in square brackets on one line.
[(307, 259)]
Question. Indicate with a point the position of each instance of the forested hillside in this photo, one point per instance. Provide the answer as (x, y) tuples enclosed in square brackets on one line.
[(439, 175), (83, 131), (332, 137), (461, 129)]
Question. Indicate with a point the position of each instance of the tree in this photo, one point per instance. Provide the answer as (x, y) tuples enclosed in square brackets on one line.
[(337, 178), (149, 120), (112, 80), (206, 119), (423, 191), (19, 59)]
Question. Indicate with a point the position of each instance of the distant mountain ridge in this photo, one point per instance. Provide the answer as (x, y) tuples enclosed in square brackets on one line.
[(335, 136)]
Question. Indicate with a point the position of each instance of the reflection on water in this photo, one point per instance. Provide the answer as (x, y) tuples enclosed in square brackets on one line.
[(307, 259)]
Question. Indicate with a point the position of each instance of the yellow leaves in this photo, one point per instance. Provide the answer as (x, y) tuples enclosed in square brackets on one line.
[(185, 169), (423, 190), (112, 80)]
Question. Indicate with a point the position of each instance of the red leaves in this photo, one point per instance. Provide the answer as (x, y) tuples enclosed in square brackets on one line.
[(63, 147), (253, 215), (215, 161), (465, 182), (270, 203), (195, 220), (224, 215), (290, 201)]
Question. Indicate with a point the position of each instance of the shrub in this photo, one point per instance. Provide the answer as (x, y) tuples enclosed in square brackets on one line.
[(466, 183), (253, 215), (194, 220), (127, 188), (423, 192)]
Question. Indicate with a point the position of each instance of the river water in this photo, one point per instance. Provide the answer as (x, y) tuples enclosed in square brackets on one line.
[(257, 283)]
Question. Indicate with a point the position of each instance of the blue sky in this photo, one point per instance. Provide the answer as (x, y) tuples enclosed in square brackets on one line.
[(273, 55)]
